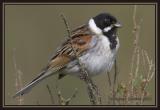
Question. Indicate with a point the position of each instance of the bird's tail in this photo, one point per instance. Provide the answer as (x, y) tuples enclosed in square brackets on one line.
[(34, 82)]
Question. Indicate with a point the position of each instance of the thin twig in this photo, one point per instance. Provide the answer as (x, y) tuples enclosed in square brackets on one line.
[(62, 100), (109, 79), (73, 96), (18, 83), (137, 64), (50, 93), (114, 81), (150, 74), (116, 72)]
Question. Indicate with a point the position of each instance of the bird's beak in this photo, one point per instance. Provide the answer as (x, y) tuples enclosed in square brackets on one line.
[(118, 24)]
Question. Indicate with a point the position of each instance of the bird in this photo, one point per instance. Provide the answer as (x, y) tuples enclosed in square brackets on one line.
[(96, 44)]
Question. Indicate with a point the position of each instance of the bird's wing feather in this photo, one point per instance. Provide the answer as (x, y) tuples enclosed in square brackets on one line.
[(79, 43)]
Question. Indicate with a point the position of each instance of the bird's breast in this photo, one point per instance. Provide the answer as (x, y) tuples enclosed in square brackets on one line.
[(100, 58)]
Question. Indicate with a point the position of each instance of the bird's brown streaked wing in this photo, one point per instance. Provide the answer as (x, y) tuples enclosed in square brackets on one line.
[(80, 42), (66, 53)]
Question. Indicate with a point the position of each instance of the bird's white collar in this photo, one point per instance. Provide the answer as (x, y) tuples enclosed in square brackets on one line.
[(93, 27)]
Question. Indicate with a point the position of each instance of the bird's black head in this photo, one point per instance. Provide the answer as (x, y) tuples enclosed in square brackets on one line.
[(107, 25), (106, 22)]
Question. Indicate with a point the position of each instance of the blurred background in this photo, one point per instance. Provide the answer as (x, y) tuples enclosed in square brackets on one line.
[(33, 32)]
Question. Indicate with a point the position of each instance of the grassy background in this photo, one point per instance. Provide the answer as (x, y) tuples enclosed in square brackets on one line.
[(35, 31)]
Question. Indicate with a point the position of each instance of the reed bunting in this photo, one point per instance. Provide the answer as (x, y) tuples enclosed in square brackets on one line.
[(96, 44)]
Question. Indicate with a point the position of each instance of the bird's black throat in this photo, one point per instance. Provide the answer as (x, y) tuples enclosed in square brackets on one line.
[(111, 35)]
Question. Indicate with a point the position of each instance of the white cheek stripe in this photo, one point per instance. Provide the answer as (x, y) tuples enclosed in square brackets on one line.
[(108, 28), (94, 28)]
